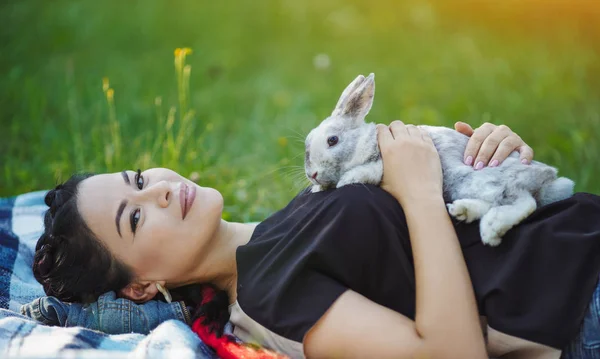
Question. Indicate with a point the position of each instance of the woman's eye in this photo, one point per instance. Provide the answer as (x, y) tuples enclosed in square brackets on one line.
[(139, 180), (332, 141), (135, 218)]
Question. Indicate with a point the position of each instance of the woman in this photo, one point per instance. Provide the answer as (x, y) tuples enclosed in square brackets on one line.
[(360, 271)]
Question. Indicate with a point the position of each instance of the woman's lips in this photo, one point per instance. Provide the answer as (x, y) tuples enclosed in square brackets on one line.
[(187, 195)]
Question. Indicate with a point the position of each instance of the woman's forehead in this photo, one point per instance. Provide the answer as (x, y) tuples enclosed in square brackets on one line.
[(99, 197), (105, 181), (98, 203)]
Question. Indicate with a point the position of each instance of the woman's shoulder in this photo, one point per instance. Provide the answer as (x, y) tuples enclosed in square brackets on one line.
[(361, 193), (367, 202), (358, 197), (347, 207)]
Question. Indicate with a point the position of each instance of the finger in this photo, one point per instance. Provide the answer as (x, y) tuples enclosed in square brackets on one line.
[(398, 129), (490, 145), (526, 154), (425, 136), (463, 128), (384, 137), (505, 148), (413, 131), (475, 142)]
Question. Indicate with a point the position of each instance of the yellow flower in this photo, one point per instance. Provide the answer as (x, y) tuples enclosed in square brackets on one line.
[(180, 54), (110, 94), (105, 84), (282, 141), (182, 51)]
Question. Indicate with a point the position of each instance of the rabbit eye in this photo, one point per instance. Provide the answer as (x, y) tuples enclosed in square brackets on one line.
[(332, 141)]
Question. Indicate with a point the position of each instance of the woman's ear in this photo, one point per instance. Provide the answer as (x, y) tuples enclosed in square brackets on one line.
[(140, 291)]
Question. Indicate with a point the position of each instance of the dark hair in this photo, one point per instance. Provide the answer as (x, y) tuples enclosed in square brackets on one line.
[(70, 262)]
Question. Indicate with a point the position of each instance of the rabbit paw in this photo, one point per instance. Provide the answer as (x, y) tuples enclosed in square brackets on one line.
[(316, 188), (493, 226), (468, 210), (499, 220), (491, 239)]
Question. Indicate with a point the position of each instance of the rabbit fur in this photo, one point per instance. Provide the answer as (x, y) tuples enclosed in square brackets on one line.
[(343, 150)]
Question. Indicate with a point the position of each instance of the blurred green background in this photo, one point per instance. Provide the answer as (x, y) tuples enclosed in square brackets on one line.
[(263, 73)]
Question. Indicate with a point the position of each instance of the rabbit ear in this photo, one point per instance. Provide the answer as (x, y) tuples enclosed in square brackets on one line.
[(358, 104), (347, 92)]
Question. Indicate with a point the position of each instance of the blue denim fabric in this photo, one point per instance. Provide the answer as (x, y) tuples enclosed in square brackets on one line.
[(109, 314), (587, 343)]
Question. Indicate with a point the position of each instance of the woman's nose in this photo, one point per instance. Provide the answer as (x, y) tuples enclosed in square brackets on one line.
[(161, 192)]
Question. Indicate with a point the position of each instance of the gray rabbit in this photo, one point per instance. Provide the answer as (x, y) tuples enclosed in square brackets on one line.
[(343, 149)]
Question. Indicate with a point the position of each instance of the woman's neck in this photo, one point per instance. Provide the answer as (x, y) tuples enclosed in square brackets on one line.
[(219, 265)]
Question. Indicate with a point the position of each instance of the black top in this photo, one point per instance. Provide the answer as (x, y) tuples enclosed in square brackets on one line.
[(536, 285)]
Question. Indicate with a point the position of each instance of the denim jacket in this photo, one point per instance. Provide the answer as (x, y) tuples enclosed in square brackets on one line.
[(109, 314)]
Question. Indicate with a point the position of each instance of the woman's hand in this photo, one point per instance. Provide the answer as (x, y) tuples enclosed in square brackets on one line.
[(411, 164), (492, 144)]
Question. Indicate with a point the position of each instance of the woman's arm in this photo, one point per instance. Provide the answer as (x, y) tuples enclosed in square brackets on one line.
[(356, 327), (446, 308), (446, 312), (446, 323)]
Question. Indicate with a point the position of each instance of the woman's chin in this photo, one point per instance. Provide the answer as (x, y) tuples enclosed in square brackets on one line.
[(214, 199), (207, 207)]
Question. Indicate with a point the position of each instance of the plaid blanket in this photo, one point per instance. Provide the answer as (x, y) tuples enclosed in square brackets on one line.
[(20, 226)]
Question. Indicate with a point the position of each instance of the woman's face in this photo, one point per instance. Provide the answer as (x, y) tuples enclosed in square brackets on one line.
[(141, 220)]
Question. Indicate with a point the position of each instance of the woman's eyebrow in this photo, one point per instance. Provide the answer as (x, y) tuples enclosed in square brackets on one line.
[(118, 217), (125, 178), (122, 205)]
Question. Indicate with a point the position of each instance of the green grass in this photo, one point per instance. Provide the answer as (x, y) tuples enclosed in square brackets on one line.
[(254, 91)]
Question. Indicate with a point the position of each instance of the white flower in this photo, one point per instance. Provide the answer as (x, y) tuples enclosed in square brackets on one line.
[(321, 62)]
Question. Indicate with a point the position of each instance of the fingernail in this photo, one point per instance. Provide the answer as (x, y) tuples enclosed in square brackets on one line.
[(524, 161), (469, 161), (494, 163), (479, 165)]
